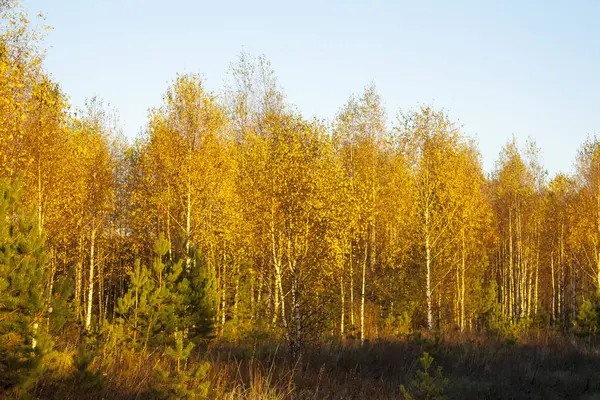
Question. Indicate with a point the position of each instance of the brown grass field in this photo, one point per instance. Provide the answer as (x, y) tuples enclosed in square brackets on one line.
[(541, 366)]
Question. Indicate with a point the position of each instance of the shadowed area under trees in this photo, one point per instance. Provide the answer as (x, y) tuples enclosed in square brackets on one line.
[(237, 249)]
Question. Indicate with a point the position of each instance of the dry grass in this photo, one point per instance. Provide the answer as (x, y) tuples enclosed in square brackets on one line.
[(542, 366)]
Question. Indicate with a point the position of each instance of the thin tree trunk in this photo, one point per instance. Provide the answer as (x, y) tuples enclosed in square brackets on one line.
[(188, 226), (504, 278), (351, 286), (279, 289), (537, 277), (456, 300), (552, 276), (519, 269), (598, 235), (278, 297), (100, 286), (170, 252), (561, 278), (261, 282), (39, 205), (362, 295), (252, 296), (343, 305), (223, 296), (462, 283), (50, 287), (428, 273), (297, 313), (79, 279), (236, 295), (439, 310), (560, 298), (90, 299), (135, 315), (373, 252), (511, 282)]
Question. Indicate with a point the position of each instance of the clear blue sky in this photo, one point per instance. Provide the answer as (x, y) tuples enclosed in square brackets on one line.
[(528, 68)]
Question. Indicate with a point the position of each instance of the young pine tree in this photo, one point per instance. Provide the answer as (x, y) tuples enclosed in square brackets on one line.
[(152, 309), (588, 317), (166, 299), (182, 381), (202, 300), (22, 279), (426, 386)]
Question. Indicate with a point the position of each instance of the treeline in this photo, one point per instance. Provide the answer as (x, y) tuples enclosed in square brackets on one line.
[(232, 215)]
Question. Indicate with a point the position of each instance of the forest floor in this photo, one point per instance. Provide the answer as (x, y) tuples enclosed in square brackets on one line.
[(544, 366)]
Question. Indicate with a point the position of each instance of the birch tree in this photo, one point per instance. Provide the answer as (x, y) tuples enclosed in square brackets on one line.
[(430, 141), (361, 129), (96, 177)]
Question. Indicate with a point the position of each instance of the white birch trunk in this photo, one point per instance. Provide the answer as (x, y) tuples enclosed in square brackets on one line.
[(90, 294), (362, 297), (428, 273), (343, 305)]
